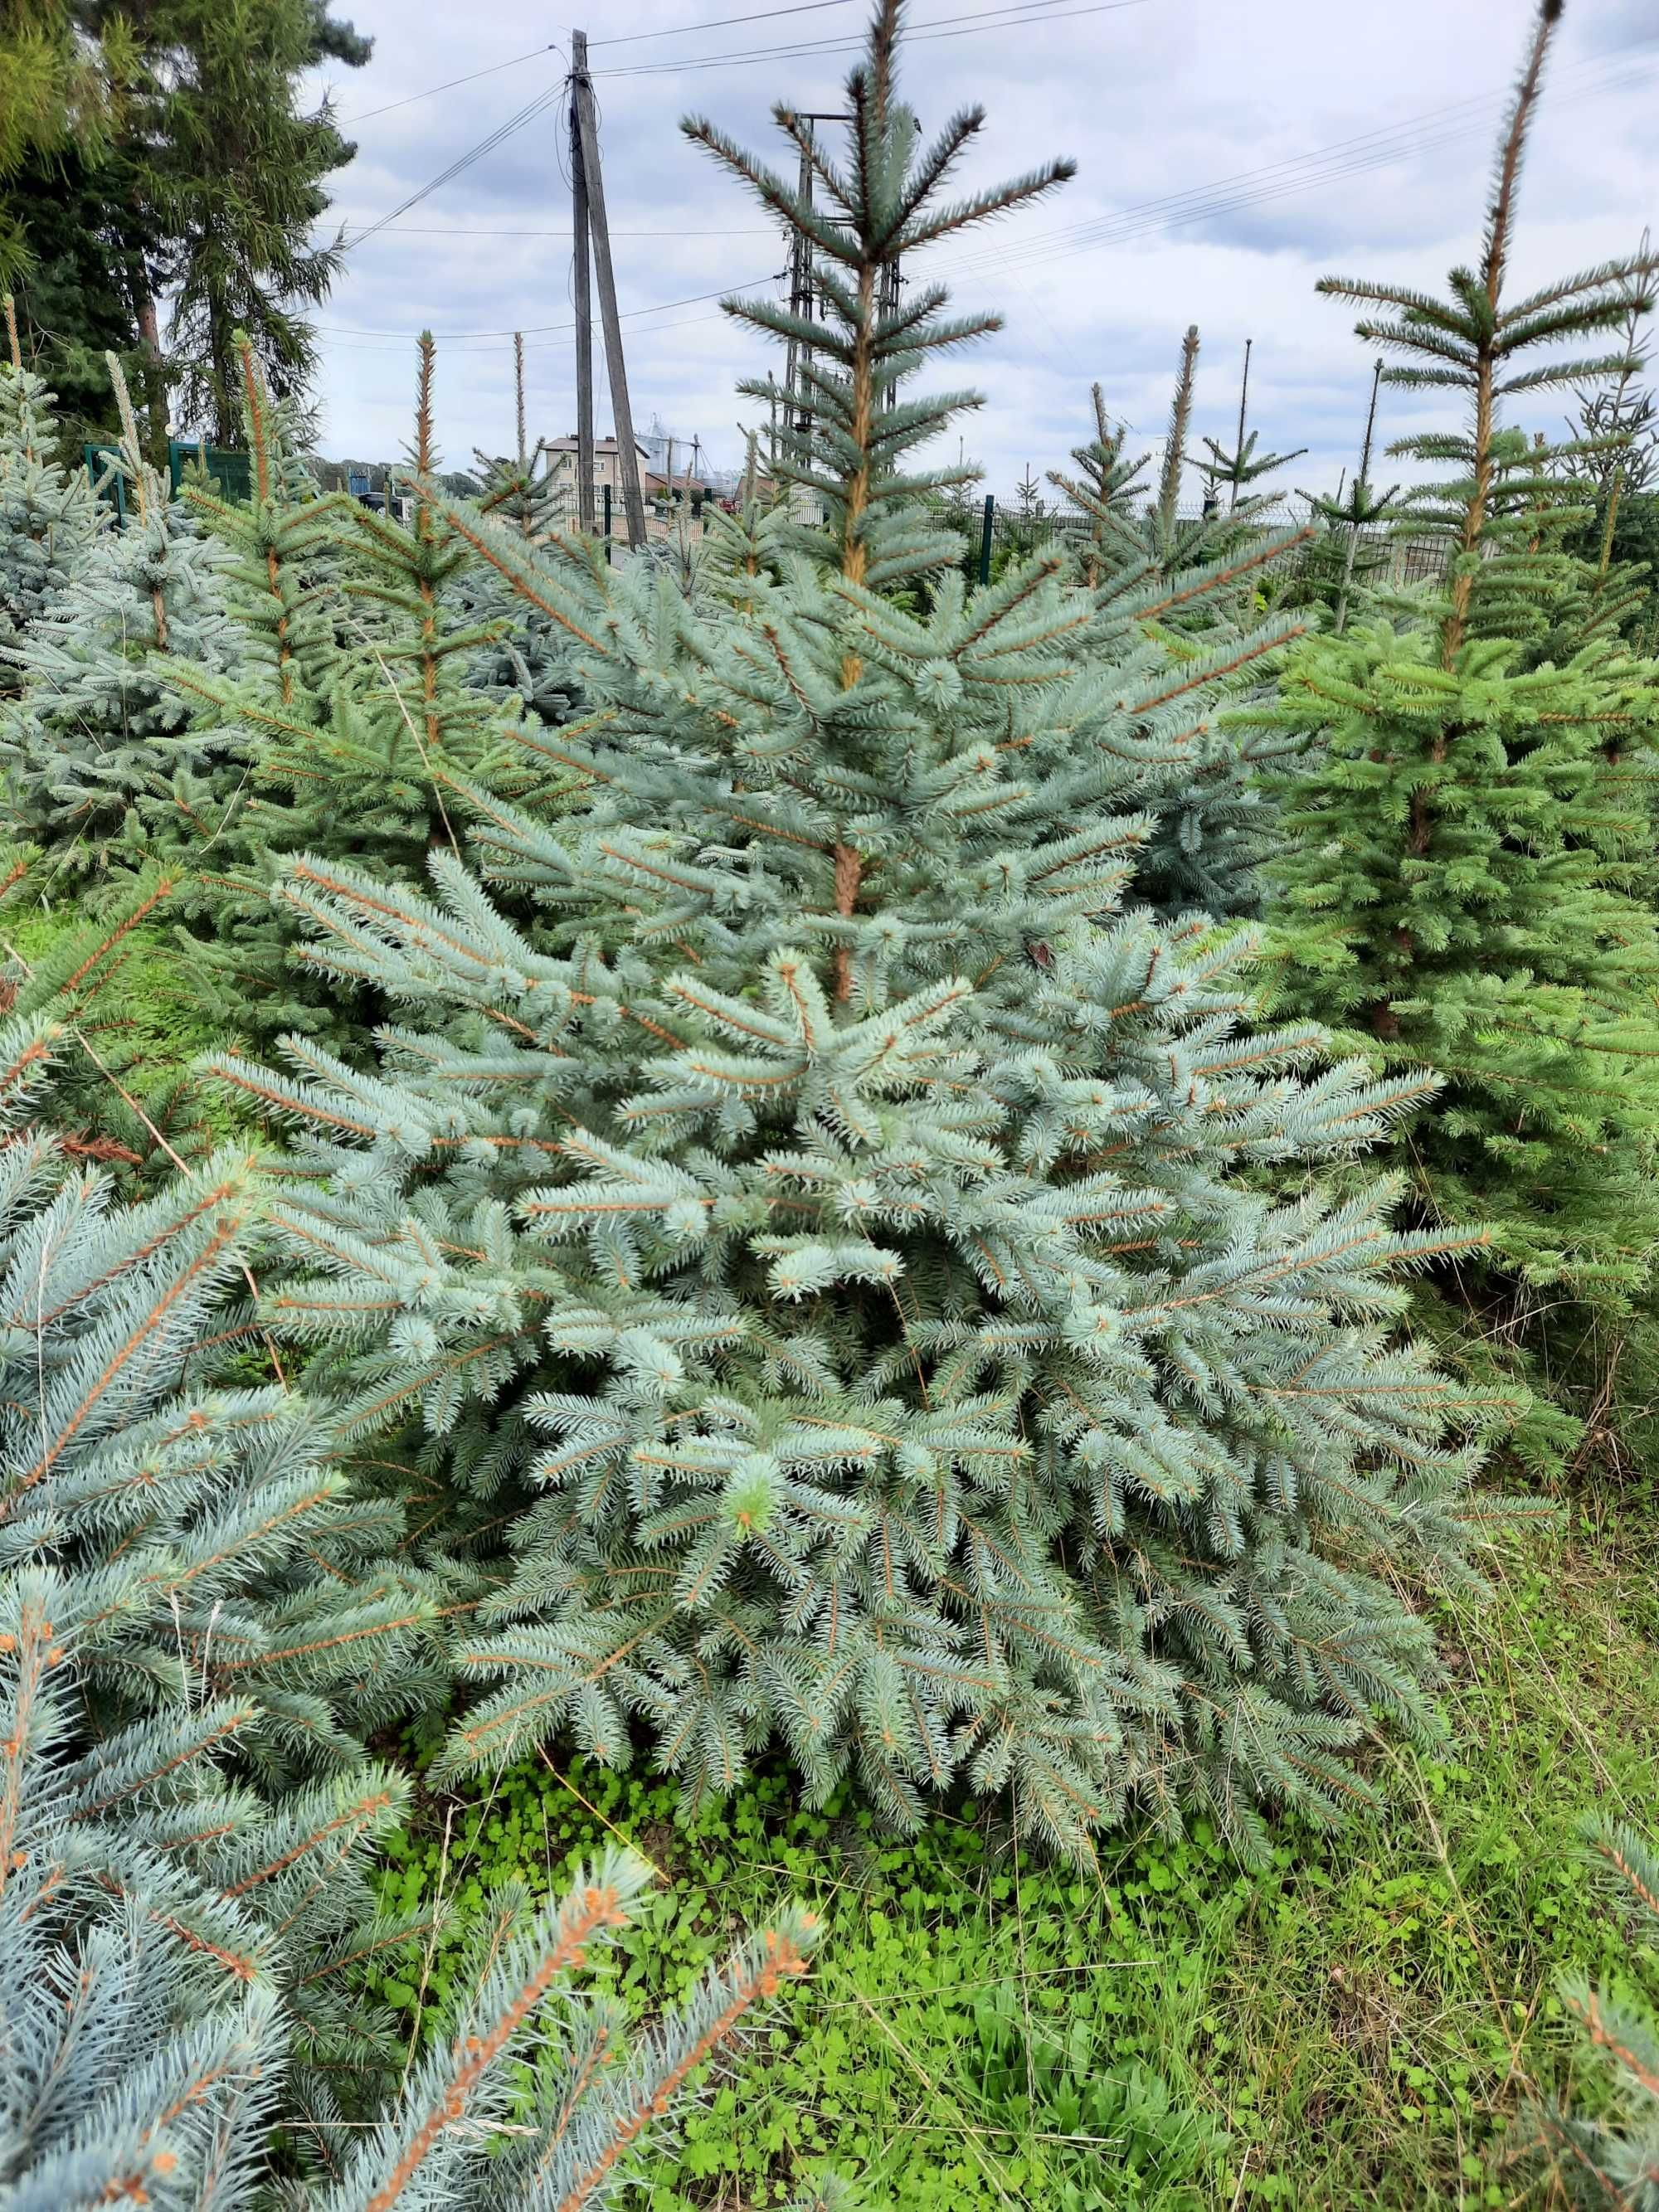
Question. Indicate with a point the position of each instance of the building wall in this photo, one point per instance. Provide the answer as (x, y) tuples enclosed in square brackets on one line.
[(607, 470)]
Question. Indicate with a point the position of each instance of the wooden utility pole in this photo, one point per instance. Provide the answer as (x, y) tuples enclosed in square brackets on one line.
[(798, 360), (584, 305), (615, 367), (517, 393), (1361, 497), (524, 465), (887, 306)]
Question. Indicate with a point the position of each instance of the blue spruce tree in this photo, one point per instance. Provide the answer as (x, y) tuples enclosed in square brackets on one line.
[(48, 516), (304, 675), (194, 1624), (833, 1236), (198, 1623), (100, 760), (526, 654)]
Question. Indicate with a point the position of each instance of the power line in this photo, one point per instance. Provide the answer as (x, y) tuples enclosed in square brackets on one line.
[(679, 323), (549, 344), (460, 230), (1320, 165), (541, 102), (993, 18), (1016, 264), (1192, 205), (632, 38), (1430, 129), (450, 84), (723, 23), (538, 329)]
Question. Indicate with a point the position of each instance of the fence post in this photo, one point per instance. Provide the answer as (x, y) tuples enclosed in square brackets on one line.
[(984, 539), (607, 526)]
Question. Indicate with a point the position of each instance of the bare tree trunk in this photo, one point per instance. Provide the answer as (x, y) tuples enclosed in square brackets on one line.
[(155, 383)]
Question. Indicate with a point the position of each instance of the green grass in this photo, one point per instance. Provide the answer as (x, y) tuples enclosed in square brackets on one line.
[(1355, 2025)]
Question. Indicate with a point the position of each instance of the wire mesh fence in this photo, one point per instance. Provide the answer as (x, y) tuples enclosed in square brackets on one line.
[(995, 532)]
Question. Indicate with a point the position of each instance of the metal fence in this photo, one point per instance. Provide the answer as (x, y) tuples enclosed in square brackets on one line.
[(995, 532), (227, 473), (992, 531)]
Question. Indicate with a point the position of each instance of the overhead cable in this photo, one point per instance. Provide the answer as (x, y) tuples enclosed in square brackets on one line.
[(1410, 137), (721, 23), (466, 339), (432, 90), (532, 107), (1016, 15)]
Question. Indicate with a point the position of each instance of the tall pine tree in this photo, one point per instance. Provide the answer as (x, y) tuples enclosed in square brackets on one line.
[(58, 94), (228, 173)]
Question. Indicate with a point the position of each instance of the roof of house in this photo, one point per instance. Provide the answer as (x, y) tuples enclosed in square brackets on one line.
[(654, 481)]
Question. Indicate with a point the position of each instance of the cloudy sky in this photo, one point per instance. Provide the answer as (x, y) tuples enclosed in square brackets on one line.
[(1228, 155)]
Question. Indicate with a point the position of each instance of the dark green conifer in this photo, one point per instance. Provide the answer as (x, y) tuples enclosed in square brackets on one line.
[(1457, 897)]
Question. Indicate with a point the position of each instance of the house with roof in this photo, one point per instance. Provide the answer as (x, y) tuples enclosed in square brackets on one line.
[(681, 490), (609, 462)]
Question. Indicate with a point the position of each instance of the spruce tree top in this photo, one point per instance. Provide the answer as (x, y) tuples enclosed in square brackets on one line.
[(1137, 536), (1474, 341), (884, 207), (1211, 827)]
